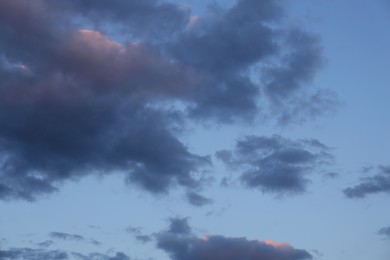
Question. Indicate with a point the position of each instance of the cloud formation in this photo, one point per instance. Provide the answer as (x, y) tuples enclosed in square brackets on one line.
[(276, 164), (97, 87), (378, 183), (185, 245)]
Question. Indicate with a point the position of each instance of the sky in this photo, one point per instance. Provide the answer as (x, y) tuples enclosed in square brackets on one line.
[(188, 130)]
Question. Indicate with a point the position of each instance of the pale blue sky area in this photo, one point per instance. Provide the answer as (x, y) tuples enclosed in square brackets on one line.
[(355, 37)]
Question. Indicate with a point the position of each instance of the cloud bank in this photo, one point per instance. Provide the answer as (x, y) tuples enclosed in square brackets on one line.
[(91, 87)]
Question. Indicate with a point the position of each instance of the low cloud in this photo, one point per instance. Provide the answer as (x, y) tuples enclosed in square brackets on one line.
[(276, 164), (185, 245), (377, 183)]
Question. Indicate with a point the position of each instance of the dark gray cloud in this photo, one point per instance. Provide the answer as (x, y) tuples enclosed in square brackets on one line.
[(74, 102), (378, 183), (66, 236), (276, 164), (384, 231), (185, 246), (197, 199)]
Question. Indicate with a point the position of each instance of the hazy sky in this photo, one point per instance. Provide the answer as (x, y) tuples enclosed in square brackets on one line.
[(188, 130)]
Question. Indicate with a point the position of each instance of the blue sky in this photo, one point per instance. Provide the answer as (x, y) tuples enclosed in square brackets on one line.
[(134, 129)]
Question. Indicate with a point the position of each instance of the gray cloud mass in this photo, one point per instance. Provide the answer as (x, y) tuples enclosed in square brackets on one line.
[(76, 99)]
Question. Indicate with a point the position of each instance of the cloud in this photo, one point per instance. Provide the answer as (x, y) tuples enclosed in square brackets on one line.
[(41, 254), (276, 164), (197, 200), (379, 183), (149, 18), (143, 238), (46, 243), (99, 256), (97, 87), (179, 226), (65, 236), (32, 254), (139, 236), (273, 67), (69, 237), (134, 230), (181, 246), (384, 231)]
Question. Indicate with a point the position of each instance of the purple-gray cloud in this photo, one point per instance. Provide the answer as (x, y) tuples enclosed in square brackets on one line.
[(96, 87)]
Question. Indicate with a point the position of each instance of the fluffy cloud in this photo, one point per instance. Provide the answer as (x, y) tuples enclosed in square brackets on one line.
[(184, 245), (96, 87), (276, 164), (379, 183)]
